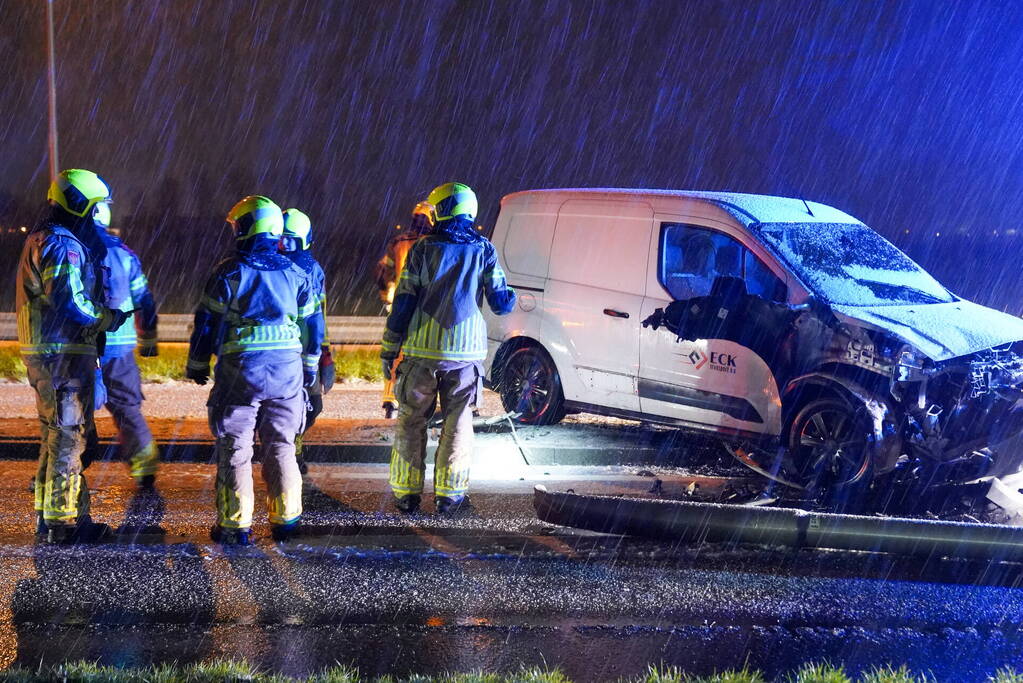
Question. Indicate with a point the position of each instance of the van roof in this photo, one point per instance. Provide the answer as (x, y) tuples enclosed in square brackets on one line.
[(747, 208)]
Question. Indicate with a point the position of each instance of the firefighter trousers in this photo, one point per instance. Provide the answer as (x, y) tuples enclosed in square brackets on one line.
[(263, 397), (124, 401), (418, 385), (64, 387)]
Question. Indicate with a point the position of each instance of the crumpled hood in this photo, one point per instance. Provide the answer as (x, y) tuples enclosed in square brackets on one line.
[(941, 331)]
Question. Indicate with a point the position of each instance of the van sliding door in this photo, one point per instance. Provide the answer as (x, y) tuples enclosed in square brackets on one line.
[(594, 296)]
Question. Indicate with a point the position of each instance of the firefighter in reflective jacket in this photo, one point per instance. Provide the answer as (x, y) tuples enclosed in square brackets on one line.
[(128, 290), (61, 319), (393, 261), (260, 316), (389, 271), (437, 325), (295, 242)]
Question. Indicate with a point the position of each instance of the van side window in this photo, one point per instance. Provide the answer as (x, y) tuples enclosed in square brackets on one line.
[(691, 257)]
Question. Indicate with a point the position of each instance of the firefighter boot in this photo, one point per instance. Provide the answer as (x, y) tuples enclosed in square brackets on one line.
[(282, 533), (225, 536), (407, 504), (448, 505)]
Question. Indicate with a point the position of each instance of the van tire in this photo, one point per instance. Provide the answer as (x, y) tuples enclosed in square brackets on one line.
[(531, 386), (829, 450)]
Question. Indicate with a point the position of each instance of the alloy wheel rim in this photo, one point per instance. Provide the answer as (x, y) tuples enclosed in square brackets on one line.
[(528, 385), (832, 449)]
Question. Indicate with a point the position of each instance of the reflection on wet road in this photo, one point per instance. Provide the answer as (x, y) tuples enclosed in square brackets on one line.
[(491, 588)]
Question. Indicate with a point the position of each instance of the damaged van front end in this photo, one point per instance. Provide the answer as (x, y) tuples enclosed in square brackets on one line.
[(954, 374), (879, 370), (962, 413), (952, 420), (941, 377)]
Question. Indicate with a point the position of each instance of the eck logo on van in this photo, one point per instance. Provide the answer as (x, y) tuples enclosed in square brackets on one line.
[(719, 362)]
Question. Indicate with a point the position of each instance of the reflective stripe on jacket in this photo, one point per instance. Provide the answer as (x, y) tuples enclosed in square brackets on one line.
[(127, 289), (58, 294), (257, 301), (436, 312)]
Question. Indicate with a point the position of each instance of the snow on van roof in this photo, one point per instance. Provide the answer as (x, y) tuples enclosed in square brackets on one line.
[(747, 208)]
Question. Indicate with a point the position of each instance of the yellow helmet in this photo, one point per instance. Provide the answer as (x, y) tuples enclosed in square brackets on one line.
[(77, 191), (297, 225), (453, 199), (424, 209), (422, 216), (255, 215)]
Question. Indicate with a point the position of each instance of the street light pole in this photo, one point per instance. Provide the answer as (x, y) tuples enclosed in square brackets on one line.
[(52, 77)]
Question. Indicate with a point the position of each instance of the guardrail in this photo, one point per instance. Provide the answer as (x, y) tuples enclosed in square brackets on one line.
[(177, 327)]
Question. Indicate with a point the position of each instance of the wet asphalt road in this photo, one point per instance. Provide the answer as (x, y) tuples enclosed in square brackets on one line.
[(491, 588)]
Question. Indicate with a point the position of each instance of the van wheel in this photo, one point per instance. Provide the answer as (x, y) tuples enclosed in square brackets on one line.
[(530, 385), (830, 451)]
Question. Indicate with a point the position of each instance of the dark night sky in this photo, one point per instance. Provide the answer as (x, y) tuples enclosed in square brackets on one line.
[(907, 115)]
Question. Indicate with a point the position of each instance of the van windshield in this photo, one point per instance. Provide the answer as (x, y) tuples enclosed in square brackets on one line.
[(851, 265)]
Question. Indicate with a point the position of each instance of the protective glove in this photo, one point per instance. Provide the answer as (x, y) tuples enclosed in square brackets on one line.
[(113, 318), (100, 394), (147, 345), (327, 373), (308, 377), (200, 377), (385, 368)]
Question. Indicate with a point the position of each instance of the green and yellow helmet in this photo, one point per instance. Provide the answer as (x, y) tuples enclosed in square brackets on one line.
[(77, 191), (453, 199), (297, 226), (255, 215)]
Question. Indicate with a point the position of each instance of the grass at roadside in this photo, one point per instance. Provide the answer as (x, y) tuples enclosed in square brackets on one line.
[(350, 362), (223, 670), (11, 365)]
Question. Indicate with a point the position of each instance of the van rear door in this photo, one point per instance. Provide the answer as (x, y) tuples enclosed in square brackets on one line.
[(594, 297)]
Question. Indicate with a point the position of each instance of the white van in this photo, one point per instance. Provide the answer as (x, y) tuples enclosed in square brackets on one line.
[(892, 345)]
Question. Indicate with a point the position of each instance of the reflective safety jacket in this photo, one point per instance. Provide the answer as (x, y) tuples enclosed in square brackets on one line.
[(127, 289), (317, 280), (391, 264), (59, 295), (436, 313), (257, 301)]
